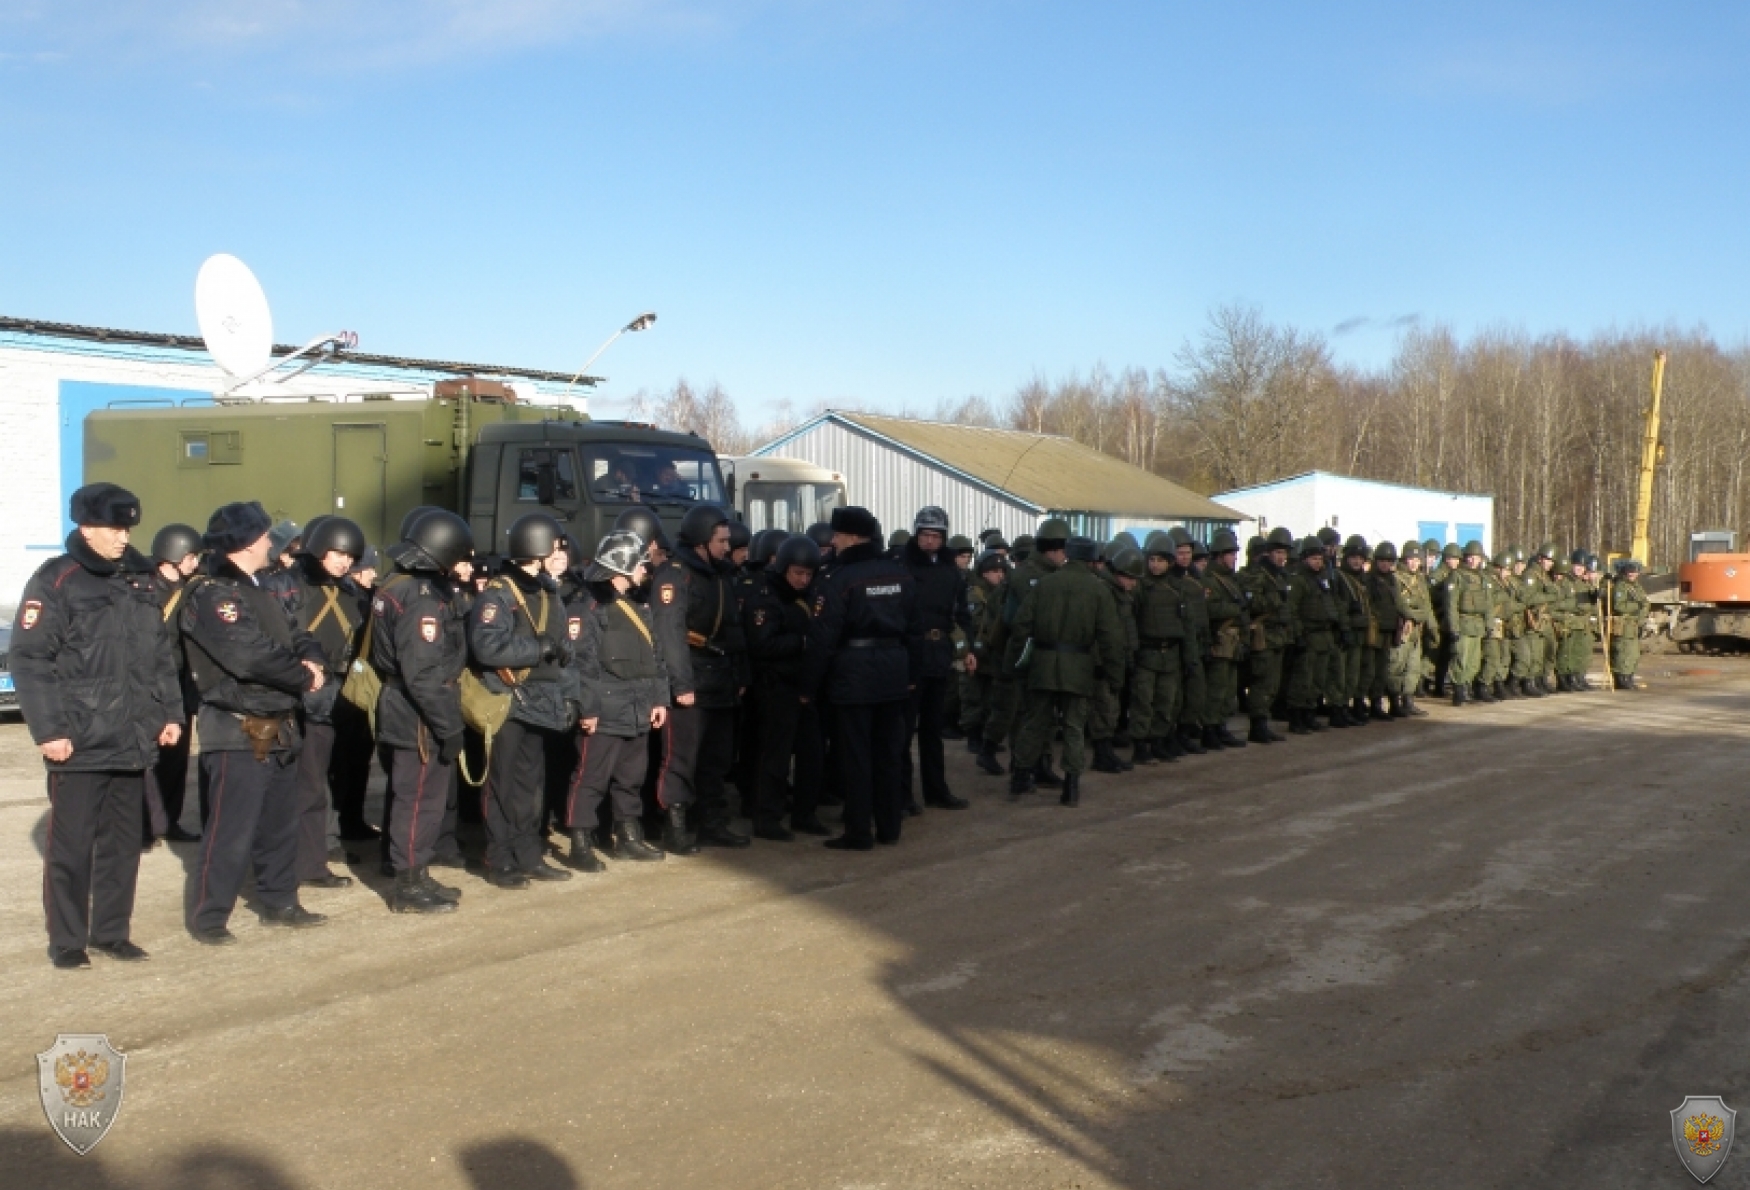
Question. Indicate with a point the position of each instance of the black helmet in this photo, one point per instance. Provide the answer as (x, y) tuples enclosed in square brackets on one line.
[(443, 537), (1127, 561), (1577, 558), (619, 553), (176, 542), (1024, 544), (1224, 541), (1199, 550), (765, 547), (646, 524), (1311, 547), (328, 534), (820, 533), (990, 560), (1355, 547), (1385, 551), (1329, 536), (1281, 538), (740, 536), (930, 517), (533, 536), (700, 523), (1081, 549), (985, 536), (1255, 545), (1052, 529), (412, 518), (798, 551)]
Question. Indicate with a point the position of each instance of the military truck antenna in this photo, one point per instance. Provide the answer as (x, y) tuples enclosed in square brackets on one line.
[(237, 325)]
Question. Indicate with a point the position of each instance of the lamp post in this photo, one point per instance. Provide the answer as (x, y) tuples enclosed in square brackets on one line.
[(643, 322)]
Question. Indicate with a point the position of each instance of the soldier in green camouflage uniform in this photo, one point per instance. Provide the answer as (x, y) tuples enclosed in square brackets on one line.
[(1045, 554), (1156, 687), (1068, 631), (1522, 639), (1628, 606), (988, 705), (1122, 571), (1266, 585), (1492, 649), (1194, 688), (1229, 626), (953, 706), (1350, 587), (1417, 628), (1317, 620), (1387, 620), (1576, 657), (1544, 615), (1466, 621)]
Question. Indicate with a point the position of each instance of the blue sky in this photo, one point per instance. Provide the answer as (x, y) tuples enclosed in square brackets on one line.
[(885, 202)]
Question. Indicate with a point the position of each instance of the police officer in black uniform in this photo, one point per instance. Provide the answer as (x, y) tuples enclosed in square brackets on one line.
[(176, 553), (419, 648), (320, 599), (701, 726), (777, 618), (253, 666), (942, 606), (864, 654), (97, 682), (517, 637)]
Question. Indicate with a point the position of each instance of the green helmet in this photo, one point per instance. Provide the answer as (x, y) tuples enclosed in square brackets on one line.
[(1329, 536), (897, 538), (1255, 546), (1452, 550), (1224, 541), (1311, 546), (1199, 550), (1052, 529), (1385, 551), (990, 560), (1546, 550), (1127, 538), (1127, 561), (1281, 538), (1630, 566), (960, 544), (1431, 547), (1159, 545), (1413, 549), (1180, 536), (1502, 560), (1355, 547), (1517, 554), (1577, 558), (1023, 545), (1474, 549)]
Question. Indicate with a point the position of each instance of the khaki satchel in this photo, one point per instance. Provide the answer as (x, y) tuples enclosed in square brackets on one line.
[(363, 687), (485, 711), (1227, 641)]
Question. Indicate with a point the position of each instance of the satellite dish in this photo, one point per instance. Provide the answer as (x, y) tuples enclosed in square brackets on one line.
[(233, 316)]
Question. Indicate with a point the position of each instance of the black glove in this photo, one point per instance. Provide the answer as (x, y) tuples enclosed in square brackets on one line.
[(450, 748)]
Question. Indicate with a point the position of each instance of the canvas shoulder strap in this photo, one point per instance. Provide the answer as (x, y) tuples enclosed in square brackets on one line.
[(171, 604), (331, 604), (637, 622)]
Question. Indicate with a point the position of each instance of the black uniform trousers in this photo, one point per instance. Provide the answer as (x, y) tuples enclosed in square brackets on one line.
[(868, 740), (349, 769), (167, 785), (514, 793), (789, 729), (699, 750), (422, 793), (564, 764), (447, 846), (923, 723), (91, 859), (253, 825), (613, 768), (313, 765)]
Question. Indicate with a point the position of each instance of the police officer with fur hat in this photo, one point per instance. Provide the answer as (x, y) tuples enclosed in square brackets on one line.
[(776, 621), (97, 682), (864, 654), (253, 666), (417, 642), (618, 658)]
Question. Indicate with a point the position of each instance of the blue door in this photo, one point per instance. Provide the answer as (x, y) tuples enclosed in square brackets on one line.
[(1438, 530), (1471, 533)]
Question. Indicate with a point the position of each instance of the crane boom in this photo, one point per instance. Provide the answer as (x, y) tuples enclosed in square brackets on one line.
[(1649, 460)]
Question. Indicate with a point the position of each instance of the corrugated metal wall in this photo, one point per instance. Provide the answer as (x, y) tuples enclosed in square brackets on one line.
[(894, 486)]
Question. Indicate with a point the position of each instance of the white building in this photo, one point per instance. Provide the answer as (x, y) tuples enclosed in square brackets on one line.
[(52, 375), (986, 478), (1379, 512)]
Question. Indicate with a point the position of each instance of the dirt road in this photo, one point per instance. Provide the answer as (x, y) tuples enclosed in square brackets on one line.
[(1489, 948)]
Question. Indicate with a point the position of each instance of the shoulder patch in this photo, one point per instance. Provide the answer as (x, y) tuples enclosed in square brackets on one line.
[(666, 593), (428, 629), (759, 617), (31, 613), (226, 610), (377, 605), (488, 611), (574, 627), (819, 604)]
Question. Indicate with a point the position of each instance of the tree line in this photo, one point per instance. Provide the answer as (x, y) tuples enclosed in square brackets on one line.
[(1549, 425)]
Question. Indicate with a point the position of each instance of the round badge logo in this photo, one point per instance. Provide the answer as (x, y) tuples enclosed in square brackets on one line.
[(226, 610), (428, 629)]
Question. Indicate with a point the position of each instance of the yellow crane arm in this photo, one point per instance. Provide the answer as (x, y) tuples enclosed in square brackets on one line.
[(1649, 460)]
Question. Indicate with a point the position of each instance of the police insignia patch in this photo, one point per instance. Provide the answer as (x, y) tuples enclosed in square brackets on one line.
[(226, 610), (759, 617), (667, 592), (428, 629), (575, 627), (488, 612), (33, 611), (819, 604)]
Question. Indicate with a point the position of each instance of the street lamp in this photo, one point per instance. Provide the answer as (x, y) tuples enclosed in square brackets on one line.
[(643, 322)]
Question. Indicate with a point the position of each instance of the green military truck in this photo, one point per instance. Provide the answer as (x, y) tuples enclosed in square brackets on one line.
[(471, 447)]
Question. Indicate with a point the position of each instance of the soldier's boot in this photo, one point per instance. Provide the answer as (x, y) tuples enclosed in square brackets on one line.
[(1044, 775), (975, 741), (1261, 733), (1168, 747), (1106, 760), (629, 843), (1300, 723), (1121, 739), (1482, 693), (1458, 698), (1312, 720), (1212, 741), (1528, 688), (448, 892), (1072, 790), (1374, 710), (412, 896), (1504, 692), (582, 855), (951, 731), (1228, 739), (1338, 717), (1141, 754), (1400, 706), (676, 838), (988, 762), (1020, 782), (1357, 712), (1415, 708), (1188, 740)]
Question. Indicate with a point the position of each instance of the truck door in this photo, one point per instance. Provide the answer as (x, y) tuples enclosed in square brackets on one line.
[(361, 476), (537, 478)]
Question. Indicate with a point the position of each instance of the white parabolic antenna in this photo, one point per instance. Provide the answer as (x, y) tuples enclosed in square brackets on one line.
[(233, 315)]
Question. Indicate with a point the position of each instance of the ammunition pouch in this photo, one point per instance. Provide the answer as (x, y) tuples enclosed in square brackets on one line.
[(1226, 646), (265, 734)]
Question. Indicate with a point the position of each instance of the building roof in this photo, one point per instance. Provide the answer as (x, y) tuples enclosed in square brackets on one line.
[(1050, 472), (1305, 476), (100, 334)]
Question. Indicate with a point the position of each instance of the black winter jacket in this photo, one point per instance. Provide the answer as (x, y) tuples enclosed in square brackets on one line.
[(719, 663), (942, 606), (304, 589), (865, 644), (502, 635), (619, 660), (419, 647), (776, 620), (93, 660)]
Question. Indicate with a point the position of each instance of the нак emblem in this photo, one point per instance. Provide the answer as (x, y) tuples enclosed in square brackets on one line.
[(81, 1086), (428, 629), (1701, 1128)]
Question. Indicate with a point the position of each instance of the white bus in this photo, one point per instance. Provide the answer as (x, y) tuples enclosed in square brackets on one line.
[(788, 494)]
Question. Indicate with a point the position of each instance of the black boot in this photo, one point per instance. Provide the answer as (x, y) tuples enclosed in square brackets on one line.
[(1377, 712), (721, 834), (1168, 747), (1298, 723), (412, 896), (1072, 790), (1261, 733), (1228, 739), (1044, 776), (1142, 754), (1211, 742), (1529, 688), (629, 843), (676, 838), (1400, 706), (975, 742), (1358, 714), (1188, 741), (1458, 699), (1504, 691), (988, 762), (1482, 693), (1415, 708), (583, 856), (1311, 719), (951, 731), (1020, 782), (1338, 717), (1106, 760), (448, 892)]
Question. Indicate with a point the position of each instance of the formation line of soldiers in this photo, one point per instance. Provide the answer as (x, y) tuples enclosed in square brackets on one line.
[(553, 702)]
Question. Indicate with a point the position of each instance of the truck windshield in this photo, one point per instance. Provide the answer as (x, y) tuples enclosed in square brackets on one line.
[(635, 473), (791, 506)]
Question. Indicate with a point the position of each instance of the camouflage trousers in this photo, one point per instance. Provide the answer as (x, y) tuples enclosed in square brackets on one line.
[(1104, 709), (1314, 673), (1263, 681), (1000, 697), (1494, 667), (1156, 692), (1404, 667), (1467, 660), (1039, 718), (1576, 654), (1523, 653), (1378, 672), (972, 700), (1221, 680), (1194, 696), (1625, 654)]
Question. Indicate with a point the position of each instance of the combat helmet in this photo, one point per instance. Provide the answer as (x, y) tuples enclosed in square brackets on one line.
[(1503, 560), (1053, 533), (1128, 562), (1311, 547), (1224, 541), (1329, 537), (1451, 550), (1355, 547), (176, 542), (1385, 551), (620, 552), (1474, 549), (1412, 549), (1159, 545), (1281, 538), (960, 544)]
